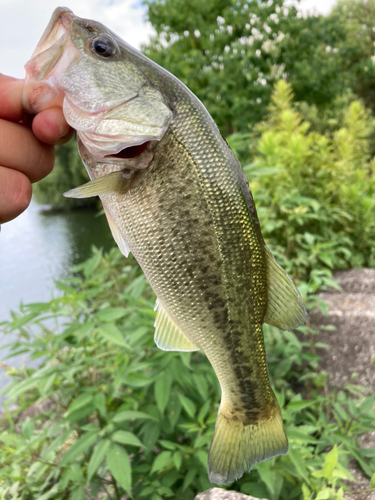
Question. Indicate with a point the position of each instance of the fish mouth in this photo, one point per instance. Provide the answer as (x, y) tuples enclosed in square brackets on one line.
[(132, 158), (48, 60), (129, 152)]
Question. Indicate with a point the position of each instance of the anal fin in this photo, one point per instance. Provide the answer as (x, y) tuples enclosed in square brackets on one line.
[(285, 309), (168, 336)]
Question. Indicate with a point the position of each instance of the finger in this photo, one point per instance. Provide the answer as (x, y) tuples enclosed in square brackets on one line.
[(20, 150), (50, 126), (10, 98), (15, 194)]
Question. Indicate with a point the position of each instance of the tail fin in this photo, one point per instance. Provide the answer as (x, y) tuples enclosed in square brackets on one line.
[(234, 443)]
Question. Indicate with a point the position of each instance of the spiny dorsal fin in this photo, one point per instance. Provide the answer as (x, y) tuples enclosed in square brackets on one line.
[(285, 305), (117, 236), (168, 336)]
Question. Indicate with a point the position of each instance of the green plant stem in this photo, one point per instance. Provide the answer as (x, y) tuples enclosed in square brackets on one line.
[(117, 491)]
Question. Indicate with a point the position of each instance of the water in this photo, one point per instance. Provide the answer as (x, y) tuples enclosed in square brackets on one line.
[(39, 247)]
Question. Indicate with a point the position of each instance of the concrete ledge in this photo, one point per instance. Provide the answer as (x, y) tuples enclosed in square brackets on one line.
[(220, 494)]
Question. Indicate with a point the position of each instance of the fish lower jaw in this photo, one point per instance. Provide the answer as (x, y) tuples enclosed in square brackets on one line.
[(132, 158)]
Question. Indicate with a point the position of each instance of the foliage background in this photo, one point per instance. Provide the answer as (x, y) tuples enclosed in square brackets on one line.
[(117, 418)]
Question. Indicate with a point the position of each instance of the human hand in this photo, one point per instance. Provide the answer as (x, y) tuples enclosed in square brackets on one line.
[(26, 147)]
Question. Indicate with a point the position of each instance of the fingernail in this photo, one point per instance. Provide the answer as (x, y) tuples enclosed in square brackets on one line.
[(63, 128)]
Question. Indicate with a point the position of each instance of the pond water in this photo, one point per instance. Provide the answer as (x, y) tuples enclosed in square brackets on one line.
[(39, 247)]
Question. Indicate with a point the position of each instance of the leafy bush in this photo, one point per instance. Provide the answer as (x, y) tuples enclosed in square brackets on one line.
[(67, 173), (119, 417), (314, 191)]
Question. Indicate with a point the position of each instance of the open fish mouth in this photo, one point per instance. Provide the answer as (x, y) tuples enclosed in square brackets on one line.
[(49, 47), (49, 59), (130, 152)]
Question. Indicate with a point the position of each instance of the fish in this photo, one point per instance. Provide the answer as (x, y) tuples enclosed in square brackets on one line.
[(176, 196)]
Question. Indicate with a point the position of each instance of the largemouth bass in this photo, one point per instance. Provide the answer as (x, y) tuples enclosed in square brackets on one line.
[(176, 197)]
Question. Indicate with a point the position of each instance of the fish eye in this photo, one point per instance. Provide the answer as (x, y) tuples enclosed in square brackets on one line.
[(103, 46)]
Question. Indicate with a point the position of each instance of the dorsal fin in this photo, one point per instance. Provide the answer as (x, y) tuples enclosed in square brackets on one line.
[(285, 305), (168, 336), (117, 236)]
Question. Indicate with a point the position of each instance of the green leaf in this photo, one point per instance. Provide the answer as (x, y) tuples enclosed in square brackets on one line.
[(372, 483), (310, 238), (112, 333), (80, 446), (162, 391), (97, 457), (264, 471), (83, 412), (341, 412), (119, 465), (306, 492), (78, 493), (146, 491), (49, 494), (169, 445), (91, 264), (367, 452), (99, 403), (177, 459), (187, 404), (330, 463), (189, 478), (367, 404), (204, 411), (28, 428), (340, 494), (295, 434), (68, 290), (161, 461), (323, 494), (295, 406), (201, 385), (110, 314), (20, 388), (123, 416), (126, 437), (299, 464), (173, 410), (82, 400), (203, 457), (164, 491)]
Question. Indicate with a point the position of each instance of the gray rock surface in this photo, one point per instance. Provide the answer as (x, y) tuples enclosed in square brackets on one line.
[(219, 494), (352, 312), (352, 347)]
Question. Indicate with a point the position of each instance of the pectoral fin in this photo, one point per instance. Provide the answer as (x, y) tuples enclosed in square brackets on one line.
[(117, 236), (285, 305), (115, 182), (168, 336)]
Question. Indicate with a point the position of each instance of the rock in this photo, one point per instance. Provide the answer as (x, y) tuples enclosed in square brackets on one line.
[(220, 494), (352, 348), (356, 281), (352, 312)]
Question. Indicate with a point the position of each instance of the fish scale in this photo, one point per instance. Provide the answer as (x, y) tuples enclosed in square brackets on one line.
[(176, 196)]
